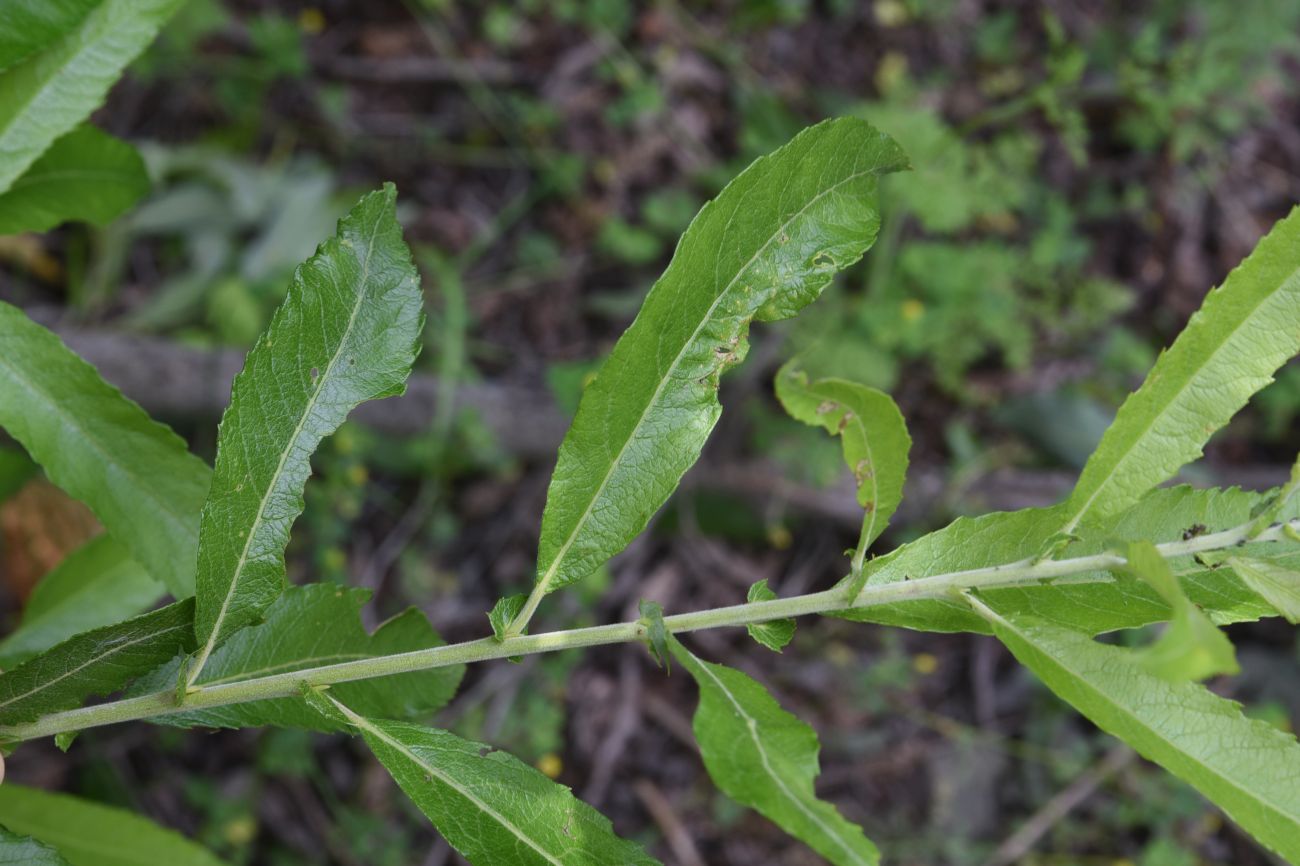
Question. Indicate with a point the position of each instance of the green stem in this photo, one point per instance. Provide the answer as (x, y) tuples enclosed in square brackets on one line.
[(1019, 573)]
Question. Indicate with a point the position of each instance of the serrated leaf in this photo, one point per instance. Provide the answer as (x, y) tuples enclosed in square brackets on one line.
[(774, 634), (1093, 602), (26, 26), (871, 430), (490, 806), (503, 612), (87, 176), (763, 249), (347, 332), (1247, 767), (1191, 647), (310, 626), (91, 834), (46, 95), (1246, 329), (26, 851), (1276, 584), (95, 663), (135, 474), (96, 585), (762, 757)]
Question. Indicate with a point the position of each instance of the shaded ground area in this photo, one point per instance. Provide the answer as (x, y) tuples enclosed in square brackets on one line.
[(1083, 174)]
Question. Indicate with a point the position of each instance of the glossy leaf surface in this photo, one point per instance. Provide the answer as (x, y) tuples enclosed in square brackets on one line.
[(86, 175), (763, 249), (347, 332), (45, 96), (26, 26)]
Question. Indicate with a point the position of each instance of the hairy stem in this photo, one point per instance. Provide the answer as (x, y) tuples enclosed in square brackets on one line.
[(1019, 573)]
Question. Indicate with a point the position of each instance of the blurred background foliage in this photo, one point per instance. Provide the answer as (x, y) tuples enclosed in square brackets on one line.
[(1083, 173)]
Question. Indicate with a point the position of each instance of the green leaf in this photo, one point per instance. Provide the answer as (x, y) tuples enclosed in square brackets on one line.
[(765, 758), (1247, 767), (1276, 584), (763, 249), (490, 806), (95, 663), (505, 610), (1191, 648), (1278, 502), (348, 332), (656, 634), (1245, 330), (96, 585), (776, 633), (46, 95), (91, 834), (310, 626), (86, 175), (26, 851), (871, 430), (26, 26), (1093, 602), (135, 474)]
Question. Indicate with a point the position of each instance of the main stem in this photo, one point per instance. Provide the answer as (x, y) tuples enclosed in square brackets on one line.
[(1022, 572)]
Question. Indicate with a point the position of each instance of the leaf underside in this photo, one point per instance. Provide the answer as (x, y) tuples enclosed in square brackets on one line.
[(311, 626), (765, 758), (1092, 602), (1248, 768), (490, 806), (18, 850), (95, 663)]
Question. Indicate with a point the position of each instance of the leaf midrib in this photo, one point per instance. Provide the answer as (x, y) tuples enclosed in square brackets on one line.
[(147, 490), (125, 645), (1200, 762), (100, 29), (1105, 482), (667, 377), (366, 726), (751, 724), (63, 175), (258, 518)]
